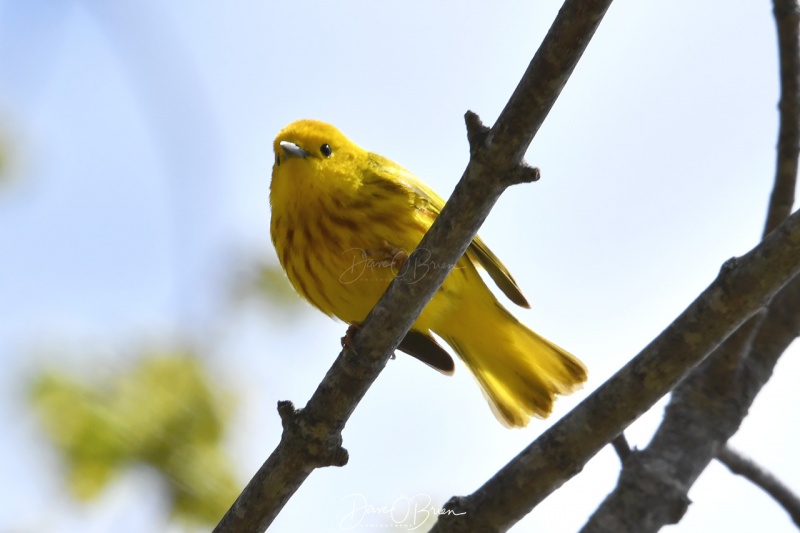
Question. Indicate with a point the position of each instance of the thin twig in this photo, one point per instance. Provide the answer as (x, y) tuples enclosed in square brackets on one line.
[(621, 446), (312, 436), (738, 464), (787, 20)]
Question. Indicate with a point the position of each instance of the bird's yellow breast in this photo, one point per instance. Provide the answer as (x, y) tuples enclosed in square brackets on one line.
[(339, 242)]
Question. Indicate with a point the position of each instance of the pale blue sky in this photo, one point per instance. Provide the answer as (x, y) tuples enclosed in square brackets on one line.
[(142, 133)]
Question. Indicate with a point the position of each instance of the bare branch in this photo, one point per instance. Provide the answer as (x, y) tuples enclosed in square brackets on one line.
[(312, 436), (787, 19), (738, 464), (709, 406), (704, 412), (547, 73), (743, 287), (653, 485), (621, 446)]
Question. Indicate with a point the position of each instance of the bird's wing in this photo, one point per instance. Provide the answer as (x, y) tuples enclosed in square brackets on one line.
[(497, 271), (427, 201), (424, 347)]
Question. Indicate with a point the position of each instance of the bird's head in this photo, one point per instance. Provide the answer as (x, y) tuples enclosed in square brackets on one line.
[(312, 146)]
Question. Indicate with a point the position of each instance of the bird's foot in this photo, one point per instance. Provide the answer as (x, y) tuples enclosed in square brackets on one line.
[(348, 341)]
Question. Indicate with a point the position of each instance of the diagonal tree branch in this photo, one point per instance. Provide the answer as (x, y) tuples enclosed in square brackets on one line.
[(738, 464), (743, 286), (312, 436), (708, 408), (703, 414)]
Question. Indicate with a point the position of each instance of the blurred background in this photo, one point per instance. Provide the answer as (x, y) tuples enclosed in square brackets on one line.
[(146, 332)]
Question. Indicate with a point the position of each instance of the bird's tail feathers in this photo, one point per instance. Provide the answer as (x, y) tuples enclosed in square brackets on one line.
[(519, 372)]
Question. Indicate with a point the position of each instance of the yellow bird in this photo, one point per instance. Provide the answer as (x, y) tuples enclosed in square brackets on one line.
[(343, 223)]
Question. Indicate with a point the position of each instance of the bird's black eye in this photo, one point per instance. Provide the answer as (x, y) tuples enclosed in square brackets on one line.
[(277, 160), (325, 149)]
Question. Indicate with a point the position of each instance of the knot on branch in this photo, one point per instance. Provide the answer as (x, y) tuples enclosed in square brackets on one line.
[(482, 152), (327, 453), (527, 174), (729, 265), (320, 446), (477, 133), (287, 412)]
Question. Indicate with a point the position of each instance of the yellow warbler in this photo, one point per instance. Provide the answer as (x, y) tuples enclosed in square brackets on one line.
[(343, 223)]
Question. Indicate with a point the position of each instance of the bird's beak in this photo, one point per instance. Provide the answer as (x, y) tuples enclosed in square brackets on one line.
[(291, 149)]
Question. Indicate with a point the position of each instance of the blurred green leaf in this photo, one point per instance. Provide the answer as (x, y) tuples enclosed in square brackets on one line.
[(165, 412), (5, 177), (9, 155)]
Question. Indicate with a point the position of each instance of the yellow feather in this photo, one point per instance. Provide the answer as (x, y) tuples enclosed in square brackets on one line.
[(343, 222)]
